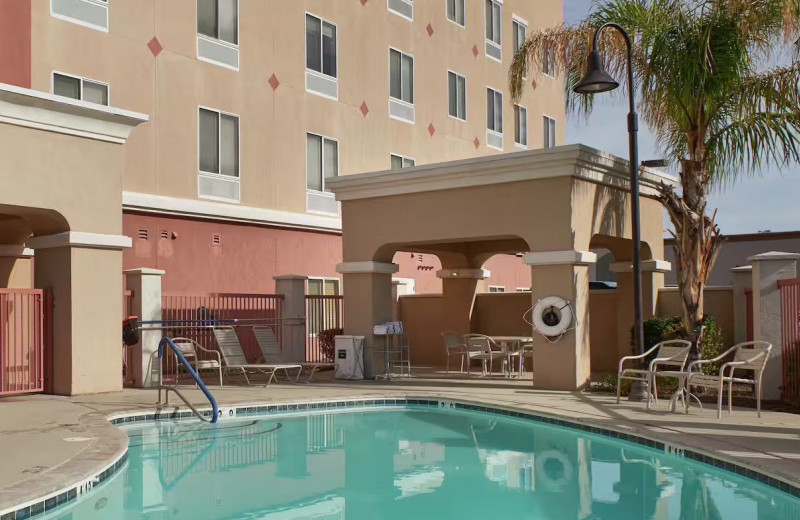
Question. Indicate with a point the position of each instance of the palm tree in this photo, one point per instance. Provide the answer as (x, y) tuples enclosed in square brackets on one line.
[(702, 88)]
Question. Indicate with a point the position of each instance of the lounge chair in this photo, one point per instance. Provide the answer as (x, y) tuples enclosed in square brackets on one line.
[(234, 359), (190, 348), (484, 349), (750, 355), (271, 351), (453, 346), (672, 353)]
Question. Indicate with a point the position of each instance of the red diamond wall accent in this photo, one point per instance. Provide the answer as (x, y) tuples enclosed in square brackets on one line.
[(274, 83), (364, 108), (533, 84), (429, 28), (363, 2), (155, 46), (431, 129), (475, 50), (477, 142)]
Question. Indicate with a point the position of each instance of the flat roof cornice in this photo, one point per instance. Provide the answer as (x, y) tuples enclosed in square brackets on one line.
[(44, 111), (575, 160)]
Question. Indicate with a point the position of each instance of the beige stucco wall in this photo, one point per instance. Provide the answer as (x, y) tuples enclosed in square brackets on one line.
[(717, 302), (161, 157)]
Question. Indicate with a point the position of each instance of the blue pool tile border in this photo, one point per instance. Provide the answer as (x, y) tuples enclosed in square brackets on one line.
[(49, 502)]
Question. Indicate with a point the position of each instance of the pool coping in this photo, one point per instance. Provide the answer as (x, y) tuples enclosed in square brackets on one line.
[(109, 448)]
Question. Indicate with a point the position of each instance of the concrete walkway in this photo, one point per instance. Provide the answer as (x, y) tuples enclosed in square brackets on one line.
[(49, 442)]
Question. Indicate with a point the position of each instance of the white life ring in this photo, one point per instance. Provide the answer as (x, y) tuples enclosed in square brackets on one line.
[(547, 474), (552, 316)]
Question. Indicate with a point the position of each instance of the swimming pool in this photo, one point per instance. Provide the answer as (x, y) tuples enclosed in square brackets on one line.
[(410, 463)]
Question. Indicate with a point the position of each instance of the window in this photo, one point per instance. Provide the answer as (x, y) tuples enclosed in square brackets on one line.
[(219, 19), (548, 63), (89, 13), (322, 161), (218, 32), (457, 95), (404, 8), (455, 11), (493, 29), (399, 162), (497, 289), (519, 28), (494, 118), (80, 88), (320, 46), (401, 86), (323, 286), (218, 155), (520, 125), (549, 132), (523, 289)]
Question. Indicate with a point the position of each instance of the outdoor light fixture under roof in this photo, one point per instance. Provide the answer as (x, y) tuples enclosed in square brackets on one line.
[(596, 79)]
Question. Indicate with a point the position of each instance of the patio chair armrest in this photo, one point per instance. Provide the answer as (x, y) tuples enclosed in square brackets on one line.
[(690, 367), (623, 359)]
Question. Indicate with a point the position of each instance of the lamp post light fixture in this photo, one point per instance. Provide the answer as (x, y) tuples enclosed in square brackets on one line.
[(595, 81)]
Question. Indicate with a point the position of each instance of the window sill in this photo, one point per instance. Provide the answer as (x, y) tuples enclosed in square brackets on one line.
[(494, 140), (520, 147), (402, 111), (494, 51), (322, 85), (455, 118), (322, 203), (214, 186), (401, 8), (218, 52)]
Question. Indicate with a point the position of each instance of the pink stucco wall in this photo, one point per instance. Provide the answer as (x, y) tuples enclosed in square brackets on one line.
[(15, 42), (249, 256)]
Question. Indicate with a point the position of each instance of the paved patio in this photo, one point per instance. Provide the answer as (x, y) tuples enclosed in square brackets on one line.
[(49, 442)]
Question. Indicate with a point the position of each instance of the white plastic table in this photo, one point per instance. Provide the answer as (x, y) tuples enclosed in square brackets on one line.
[(515, 346)]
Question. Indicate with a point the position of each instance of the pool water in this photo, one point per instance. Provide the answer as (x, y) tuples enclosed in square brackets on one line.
[(411, 464)]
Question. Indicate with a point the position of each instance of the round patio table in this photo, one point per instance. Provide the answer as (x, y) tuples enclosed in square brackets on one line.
[(515, 346)]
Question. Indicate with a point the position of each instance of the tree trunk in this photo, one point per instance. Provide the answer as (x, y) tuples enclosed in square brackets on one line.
[(697, 242)]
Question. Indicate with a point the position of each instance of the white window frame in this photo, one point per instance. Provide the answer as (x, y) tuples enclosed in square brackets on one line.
[(321, 74), (404, 158), (490, 131), (489, 41), (516, 143), (217, 41), (201, 173), (82, 79), (78, 21), (463, 10), (400, 101), (322, 159), (523, 289), (466, 98), (549, 72), (493, 289), (546, 136), (324, 279), (410, 3), (516, 20)]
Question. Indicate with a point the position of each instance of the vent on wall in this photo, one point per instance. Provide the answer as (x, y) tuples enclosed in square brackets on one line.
[(142, 234), (164, 234), (216, 239)]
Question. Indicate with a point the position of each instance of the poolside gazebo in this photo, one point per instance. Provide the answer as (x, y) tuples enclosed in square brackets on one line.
[(553, 206)]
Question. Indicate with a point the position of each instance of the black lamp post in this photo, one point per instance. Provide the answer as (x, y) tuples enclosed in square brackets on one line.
[(595, 81)]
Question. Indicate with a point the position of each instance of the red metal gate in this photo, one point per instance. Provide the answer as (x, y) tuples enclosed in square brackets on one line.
[(21, 341), (748, 305), (790, 336)]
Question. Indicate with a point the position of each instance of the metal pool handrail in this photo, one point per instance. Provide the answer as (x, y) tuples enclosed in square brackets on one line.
[(200, 383)]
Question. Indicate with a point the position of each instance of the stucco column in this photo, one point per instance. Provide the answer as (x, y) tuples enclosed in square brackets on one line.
[(82, 270), (742, 281), (458, 297), (145, 284), (768, 268), (565, 364), (293, 315), (652, 281), (16, 266), (367, 301)]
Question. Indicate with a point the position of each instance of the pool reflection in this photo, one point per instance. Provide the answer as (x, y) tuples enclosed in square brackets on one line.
[(412, 464)]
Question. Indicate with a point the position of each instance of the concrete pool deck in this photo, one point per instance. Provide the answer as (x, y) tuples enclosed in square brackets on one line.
[(49, 442)]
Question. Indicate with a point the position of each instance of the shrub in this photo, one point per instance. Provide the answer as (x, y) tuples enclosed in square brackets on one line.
[(327, 343)]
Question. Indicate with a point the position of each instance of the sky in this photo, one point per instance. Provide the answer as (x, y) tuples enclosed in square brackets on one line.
[(768, 202)]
